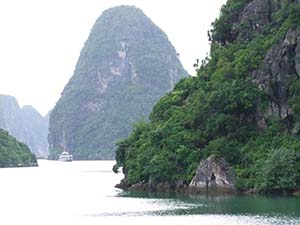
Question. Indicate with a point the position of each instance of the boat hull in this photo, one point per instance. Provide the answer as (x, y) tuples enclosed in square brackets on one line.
[(65, 157)]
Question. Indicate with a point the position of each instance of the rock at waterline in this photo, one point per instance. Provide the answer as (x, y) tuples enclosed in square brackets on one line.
[(214, 172)]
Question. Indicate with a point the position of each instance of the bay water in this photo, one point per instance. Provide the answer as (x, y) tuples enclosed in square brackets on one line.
[(83, 193)]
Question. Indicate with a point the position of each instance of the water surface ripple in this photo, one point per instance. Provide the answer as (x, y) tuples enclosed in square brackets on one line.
[(83, 193)]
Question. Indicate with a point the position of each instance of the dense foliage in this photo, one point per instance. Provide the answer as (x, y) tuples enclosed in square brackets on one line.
[(126, 65), (217, 113), (14, 153)]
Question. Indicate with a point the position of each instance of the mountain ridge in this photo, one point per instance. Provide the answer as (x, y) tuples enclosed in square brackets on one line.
[(26, 124)]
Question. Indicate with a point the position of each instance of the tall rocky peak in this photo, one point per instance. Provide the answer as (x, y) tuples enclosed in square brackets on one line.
[(26, 124), (10, 116), (126, 64)]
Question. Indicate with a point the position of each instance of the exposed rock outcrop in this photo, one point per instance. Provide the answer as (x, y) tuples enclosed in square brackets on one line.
[(280, 67), (255, 16), (212, 173), (281, 64)]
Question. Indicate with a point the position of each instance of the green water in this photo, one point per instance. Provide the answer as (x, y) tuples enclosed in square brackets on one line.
[(230, 205)]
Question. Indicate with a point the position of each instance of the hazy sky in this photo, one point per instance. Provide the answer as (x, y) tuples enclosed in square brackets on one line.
[(40, 40)]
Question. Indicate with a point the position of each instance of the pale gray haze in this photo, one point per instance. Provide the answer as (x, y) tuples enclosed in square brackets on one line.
[(41, 40)]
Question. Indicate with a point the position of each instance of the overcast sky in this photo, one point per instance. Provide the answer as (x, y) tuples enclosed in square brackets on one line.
[(40, 40)]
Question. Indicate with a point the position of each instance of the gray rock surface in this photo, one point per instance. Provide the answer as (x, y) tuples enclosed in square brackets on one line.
[(280, 66), (214, 172), (25, 124), (255, 16), (36, 131)]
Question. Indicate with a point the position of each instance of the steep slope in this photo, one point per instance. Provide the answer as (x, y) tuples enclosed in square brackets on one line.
[(36, 130), (126, 64), (243, 106), (25, 124), (14, 153)]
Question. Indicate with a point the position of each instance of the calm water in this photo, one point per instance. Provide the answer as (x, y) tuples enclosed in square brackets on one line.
[(83, 193)]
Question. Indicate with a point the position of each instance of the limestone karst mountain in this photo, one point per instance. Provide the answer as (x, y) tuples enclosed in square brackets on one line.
[(126, 65), (25, 124)]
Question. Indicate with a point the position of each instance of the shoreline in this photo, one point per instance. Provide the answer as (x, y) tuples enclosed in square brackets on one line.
[(21, 166), (164, 188)]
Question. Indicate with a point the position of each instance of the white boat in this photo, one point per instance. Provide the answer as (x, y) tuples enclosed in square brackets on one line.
[(66, 157)]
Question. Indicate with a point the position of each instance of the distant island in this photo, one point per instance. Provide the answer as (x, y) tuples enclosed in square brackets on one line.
[(236, 125), (14, 153), (25, 123)]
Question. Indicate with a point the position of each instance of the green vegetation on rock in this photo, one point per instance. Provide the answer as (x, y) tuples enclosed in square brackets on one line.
[(243, 106), (14, 153), (126, 65)]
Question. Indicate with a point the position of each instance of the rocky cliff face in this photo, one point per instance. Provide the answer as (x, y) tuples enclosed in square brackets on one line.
[(26, 124), (281, 64), (280, 68), (36, 130), (127, 63), (244, 19), (256, 16)]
